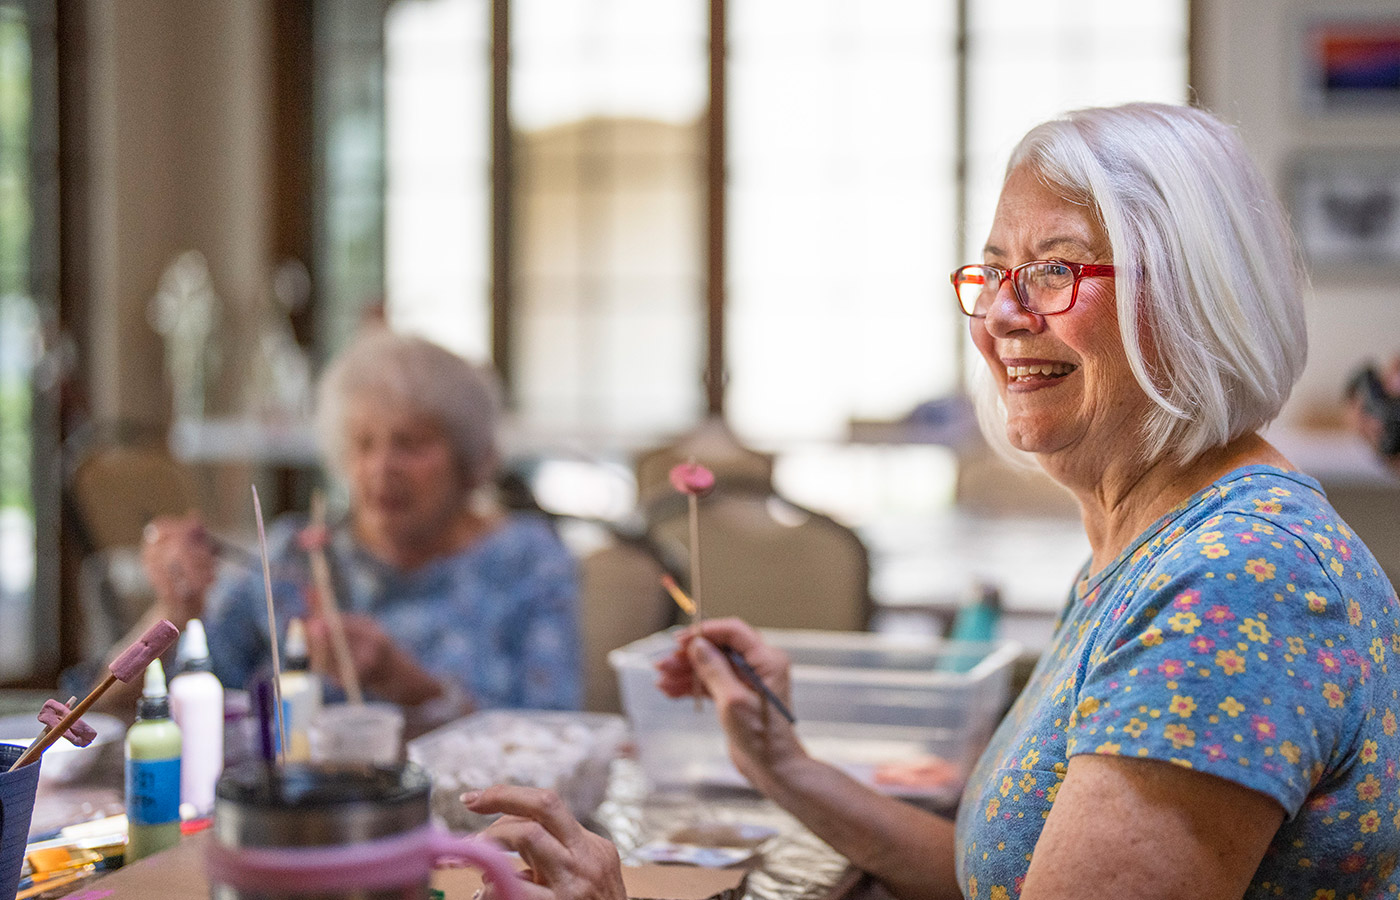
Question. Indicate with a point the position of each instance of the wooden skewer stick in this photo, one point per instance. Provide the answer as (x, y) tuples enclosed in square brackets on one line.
[(325, 589), (272, 632), (694, 479), (127, 667)]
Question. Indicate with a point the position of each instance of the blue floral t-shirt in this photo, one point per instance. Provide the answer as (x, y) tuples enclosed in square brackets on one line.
[(498, 619), (1248, 634)]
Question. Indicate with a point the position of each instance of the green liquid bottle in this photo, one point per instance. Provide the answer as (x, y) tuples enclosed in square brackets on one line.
[(152, 772)]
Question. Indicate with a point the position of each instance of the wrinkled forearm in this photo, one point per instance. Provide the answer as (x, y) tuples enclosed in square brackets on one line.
[(908, 849)]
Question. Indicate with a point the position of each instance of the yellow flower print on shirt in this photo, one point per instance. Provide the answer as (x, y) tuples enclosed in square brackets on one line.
[(1232, 707), (1367, 791), (1316, 602), (1151, 637), (1261, 569), (1268, 507), (1185, 622), (1255, 630), (1333, 694), (1215, 551), (1182, 706), (1179, 735), (1388, 723), (999, 893), (1230, 662)]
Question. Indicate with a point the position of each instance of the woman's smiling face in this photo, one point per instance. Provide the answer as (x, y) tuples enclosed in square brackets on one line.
[(1065, 378)]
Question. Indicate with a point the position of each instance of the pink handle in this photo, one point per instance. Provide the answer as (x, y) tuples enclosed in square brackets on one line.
[(372, 865), (449, 850)]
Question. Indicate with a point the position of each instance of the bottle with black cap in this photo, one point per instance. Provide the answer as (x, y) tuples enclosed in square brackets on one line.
[(301, 693)]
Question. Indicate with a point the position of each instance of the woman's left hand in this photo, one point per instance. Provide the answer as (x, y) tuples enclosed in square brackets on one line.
[(384, 668), (566, 861)]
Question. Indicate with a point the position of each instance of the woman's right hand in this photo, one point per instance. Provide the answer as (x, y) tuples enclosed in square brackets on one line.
[(179, 560), (760, 739)]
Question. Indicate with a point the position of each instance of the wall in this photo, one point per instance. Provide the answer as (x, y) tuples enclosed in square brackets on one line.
[(178, 97), (181, 137), (1250, 69)]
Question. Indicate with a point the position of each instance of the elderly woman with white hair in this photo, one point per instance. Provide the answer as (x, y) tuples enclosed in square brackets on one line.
[(1216, 714), (448, 603)]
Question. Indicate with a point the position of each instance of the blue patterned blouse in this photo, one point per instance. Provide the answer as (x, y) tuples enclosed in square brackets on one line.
[(1248, 634), (499, 619)]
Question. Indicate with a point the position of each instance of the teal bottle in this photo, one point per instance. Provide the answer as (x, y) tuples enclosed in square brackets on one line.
[(975, 623), (152, 771)]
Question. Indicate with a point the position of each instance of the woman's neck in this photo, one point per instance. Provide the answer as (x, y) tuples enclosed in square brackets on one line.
[(1125, 499), (412, 551)]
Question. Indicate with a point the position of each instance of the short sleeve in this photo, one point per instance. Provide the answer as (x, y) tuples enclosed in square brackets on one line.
[(1233, 654)]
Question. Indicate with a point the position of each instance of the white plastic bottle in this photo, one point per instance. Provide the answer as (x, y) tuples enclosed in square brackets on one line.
[(301, 693), (197, 705)]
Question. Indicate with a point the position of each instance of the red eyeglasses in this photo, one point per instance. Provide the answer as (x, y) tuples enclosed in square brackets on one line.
[(1042, 286)]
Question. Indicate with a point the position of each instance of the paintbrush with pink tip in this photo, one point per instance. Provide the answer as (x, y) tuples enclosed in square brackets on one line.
[(127, 667)]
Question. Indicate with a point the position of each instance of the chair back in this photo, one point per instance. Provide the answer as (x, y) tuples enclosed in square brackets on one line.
[(620, 600), (767, 560)]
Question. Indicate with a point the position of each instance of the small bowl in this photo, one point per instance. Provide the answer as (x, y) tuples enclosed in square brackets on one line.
[(63, 761)]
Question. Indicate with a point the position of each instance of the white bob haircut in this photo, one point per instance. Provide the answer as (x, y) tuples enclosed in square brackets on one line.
[(1209, 280), (381, 366)]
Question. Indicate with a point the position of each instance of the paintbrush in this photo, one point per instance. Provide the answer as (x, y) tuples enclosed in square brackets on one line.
[(736, 659), (126, 668), (330, 608)]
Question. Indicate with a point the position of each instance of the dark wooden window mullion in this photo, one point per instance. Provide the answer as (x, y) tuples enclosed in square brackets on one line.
[(715, 274), (502, 190)]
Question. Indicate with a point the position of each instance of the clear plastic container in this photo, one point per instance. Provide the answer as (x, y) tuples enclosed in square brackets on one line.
[(869, 703), (568, 752)]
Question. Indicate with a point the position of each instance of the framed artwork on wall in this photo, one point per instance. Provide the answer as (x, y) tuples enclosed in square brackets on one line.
[(1352, 64), (1346, 207)]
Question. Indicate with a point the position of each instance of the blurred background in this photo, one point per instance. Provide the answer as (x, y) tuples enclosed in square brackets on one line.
[(651, 216)]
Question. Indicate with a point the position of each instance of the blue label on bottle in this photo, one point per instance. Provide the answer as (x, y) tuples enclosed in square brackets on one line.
[(153, 791)]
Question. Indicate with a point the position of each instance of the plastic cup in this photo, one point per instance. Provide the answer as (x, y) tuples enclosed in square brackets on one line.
[(17, 791), (358, 733)]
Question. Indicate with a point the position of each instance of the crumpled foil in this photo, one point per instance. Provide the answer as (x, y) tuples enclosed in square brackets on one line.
[(794, 864)]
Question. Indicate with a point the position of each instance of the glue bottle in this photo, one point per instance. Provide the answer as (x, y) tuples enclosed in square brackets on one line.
[(974, 624), (152, 771), (197, 705), (301, 693)]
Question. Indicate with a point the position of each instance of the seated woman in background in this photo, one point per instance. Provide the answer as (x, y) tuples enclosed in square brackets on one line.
[(448, 603), (1216, 714)]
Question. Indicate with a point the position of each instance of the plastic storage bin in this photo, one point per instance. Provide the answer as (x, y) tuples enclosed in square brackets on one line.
[(863, 701)]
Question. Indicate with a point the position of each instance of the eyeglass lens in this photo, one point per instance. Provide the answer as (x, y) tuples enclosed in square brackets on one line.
[(1041, 287)]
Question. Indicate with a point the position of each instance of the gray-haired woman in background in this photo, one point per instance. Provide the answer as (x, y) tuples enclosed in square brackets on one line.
[(450, 604)]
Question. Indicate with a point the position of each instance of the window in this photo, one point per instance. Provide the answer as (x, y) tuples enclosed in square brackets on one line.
[(28, 257), (862, 156)]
